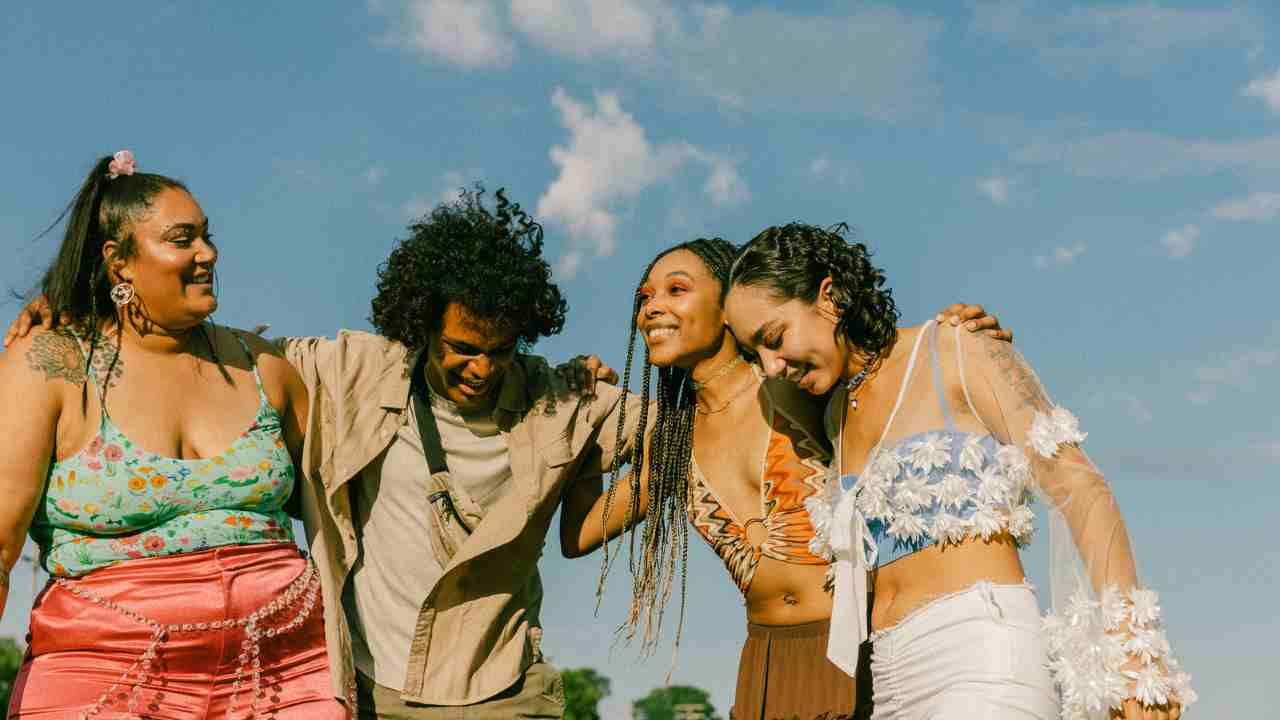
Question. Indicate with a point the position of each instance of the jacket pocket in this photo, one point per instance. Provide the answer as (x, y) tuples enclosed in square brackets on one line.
[(558, 452)]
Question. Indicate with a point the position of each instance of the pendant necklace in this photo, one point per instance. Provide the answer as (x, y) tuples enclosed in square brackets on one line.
[(856, 381)]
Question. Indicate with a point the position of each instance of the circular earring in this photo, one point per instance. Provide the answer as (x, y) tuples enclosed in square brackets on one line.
[(122, 294)]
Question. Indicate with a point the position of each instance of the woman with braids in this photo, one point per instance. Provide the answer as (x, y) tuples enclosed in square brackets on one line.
[(738, 455), (943, 439), (149, 453)]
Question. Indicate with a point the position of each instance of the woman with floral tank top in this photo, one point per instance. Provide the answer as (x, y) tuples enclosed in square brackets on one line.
[(150, 455)]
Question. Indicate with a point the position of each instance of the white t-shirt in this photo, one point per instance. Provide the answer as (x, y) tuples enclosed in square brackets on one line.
[(397, 566)]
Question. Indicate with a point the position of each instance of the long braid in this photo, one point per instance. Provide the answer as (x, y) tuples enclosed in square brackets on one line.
[(664, 540)]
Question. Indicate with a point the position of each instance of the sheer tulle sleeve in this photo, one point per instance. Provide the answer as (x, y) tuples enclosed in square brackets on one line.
[(1104, 633)]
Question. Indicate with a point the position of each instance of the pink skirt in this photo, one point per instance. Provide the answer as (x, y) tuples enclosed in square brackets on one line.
[(181, 637)]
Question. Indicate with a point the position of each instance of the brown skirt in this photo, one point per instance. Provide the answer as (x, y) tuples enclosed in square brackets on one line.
[(785, 675)]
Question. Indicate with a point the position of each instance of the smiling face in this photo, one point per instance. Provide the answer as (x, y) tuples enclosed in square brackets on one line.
[(467, 357), (680, 316), (795, 340), (171, 263)]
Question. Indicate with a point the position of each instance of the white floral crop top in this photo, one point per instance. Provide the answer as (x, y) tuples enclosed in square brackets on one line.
[(938, 476)]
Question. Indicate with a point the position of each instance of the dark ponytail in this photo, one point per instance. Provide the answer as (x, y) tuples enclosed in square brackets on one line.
[(76, 285)]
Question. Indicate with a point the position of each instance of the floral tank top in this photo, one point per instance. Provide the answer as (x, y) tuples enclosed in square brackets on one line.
[(114, 501)]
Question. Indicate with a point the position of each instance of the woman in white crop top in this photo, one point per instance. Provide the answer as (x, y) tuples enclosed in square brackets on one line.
[(943, 439)]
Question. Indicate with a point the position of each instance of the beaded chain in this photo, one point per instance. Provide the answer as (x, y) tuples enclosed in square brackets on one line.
[(305, 587)]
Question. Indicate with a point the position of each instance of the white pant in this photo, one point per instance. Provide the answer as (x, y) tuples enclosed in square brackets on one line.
[(971, 655)]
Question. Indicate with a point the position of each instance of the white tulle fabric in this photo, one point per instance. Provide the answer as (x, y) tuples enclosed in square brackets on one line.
[(1103, 635)]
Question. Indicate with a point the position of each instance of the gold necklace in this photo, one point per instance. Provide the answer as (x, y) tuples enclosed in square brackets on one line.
[(732, 398), (720, 372)]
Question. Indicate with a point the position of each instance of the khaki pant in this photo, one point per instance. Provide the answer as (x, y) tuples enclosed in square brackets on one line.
[(538, 694)]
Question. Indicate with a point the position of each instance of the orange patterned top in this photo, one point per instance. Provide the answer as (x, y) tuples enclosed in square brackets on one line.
[(794, 469)]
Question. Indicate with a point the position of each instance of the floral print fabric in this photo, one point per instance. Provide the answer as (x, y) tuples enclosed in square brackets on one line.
[(114, 501)]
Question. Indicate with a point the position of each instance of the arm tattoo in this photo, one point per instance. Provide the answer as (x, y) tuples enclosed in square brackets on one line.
[(60, 357), (1020, 377)]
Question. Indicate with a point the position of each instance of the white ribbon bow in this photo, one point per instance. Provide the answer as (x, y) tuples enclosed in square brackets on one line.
[(855, 554)]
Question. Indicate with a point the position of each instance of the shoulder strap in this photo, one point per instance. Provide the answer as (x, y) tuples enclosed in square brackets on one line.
[(429, 432), (257, 376), (937, 378), (906, 381), (964, 382), (432, 448)]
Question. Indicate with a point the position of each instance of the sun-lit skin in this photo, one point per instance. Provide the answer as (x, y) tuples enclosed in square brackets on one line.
[(794, 340), (171, 266), (682, 323), (680, 317), (467, 357)]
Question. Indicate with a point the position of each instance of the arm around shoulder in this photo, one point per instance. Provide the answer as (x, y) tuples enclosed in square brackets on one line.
[(34, 374)]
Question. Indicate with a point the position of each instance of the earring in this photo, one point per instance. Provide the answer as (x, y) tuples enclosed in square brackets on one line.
[(122, 294)]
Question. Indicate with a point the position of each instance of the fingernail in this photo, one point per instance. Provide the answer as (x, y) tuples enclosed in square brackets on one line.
[(971, 325)]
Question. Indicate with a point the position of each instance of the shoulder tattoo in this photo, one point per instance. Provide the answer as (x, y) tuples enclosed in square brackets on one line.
[(59, 356), (1013, 369)]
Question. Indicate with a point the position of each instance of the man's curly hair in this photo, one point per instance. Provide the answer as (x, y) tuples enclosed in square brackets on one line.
[(791, 261), (489, 262)]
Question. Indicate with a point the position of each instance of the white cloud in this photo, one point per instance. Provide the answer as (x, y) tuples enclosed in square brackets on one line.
[(1125, 402), (820, 165), (843, 173), (447, 190), (1180, 242), (725, 186), (1265, 88), (1259, 207), (1240, 370), (873, 59), (466, 33), (1060, 256), (608, 161), (1130, 39), (1137, 409), (585, 29), (1202, 396), (1150, 156), (996, 188)]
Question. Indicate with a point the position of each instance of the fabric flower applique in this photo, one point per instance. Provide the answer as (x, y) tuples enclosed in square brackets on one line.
[(993, 486), (913, 493), (972, 455), (932, 452), (1048, 431), (987, 522), (907, 527), (952, 492), (948, 528)]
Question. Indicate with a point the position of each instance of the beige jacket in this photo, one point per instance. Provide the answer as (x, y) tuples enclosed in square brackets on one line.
[(478, 629)]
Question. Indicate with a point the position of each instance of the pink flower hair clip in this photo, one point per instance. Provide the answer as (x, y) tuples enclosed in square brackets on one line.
[(122, 163)]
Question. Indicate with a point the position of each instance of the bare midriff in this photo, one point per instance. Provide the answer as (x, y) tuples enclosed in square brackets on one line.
[(787, 594), (912, 582)]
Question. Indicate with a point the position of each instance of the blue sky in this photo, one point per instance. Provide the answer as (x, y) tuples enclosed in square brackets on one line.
[(1104, 176)]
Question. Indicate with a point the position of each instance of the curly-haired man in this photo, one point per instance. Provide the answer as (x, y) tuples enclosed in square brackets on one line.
[(441, 452)]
